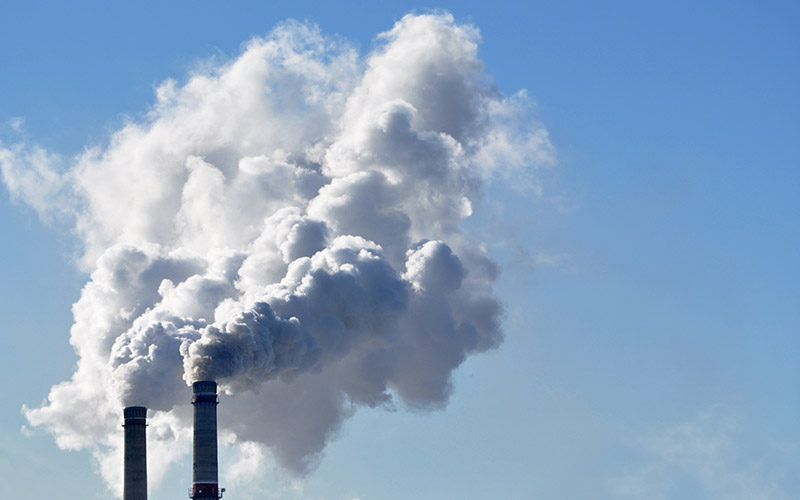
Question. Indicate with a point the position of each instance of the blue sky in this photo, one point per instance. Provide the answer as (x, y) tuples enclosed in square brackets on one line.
[(651, 290)]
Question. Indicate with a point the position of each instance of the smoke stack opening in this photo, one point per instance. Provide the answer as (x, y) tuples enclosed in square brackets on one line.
[(135, 471), (205, 482)]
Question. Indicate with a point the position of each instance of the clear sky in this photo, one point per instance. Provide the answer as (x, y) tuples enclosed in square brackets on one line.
[(650, 281)]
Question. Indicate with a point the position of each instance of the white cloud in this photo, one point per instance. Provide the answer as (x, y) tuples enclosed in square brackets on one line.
[(249, 465), (697, 459), (288, 223), (35, 176)]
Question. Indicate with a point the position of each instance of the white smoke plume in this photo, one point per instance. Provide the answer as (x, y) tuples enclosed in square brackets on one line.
[(288, 224)]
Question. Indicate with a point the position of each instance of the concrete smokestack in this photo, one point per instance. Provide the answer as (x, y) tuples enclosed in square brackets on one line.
[(135, 453), (205, 485)]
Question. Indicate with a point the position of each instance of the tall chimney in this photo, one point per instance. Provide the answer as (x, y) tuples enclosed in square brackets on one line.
[(205, 485), (135, 453)]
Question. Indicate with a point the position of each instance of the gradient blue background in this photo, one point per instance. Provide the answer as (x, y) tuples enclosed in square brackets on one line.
[(654, 284)]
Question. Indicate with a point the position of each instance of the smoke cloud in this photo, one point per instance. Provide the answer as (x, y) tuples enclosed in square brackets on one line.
[(288, 224)]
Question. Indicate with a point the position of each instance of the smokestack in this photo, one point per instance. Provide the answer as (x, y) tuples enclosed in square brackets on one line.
[(205, 485), (135, 453)]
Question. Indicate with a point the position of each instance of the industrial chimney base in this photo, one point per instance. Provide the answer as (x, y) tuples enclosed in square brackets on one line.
[(206, 491)]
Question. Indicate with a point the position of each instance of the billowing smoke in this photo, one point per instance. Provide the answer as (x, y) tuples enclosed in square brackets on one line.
[(288, 224)]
